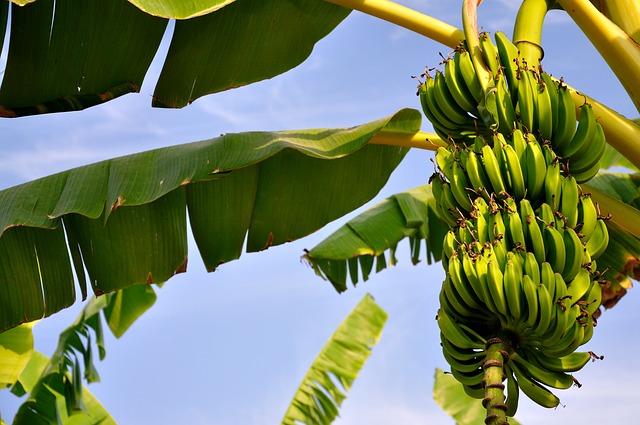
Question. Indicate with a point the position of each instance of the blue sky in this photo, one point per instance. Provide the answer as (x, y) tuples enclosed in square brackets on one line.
[(231, 347)]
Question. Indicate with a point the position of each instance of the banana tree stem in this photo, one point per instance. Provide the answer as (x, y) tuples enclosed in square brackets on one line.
[(407, 18), (419, 140), (494, 375), (527, 31)]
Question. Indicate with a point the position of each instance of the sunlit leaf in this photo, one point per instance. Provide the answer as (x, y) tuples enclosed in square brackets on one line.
[(180, 9), (332, 373), (16, 347), (353, 247), (450, 396)]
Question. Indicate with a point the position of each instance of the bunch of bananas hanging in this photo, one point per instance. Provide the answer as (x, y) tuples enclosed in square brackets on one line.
[(520, 255)]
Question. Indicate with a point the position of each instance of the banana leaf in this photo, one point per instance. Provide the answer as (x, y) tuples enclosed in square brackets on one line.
[(450, 396), (48, 399), (125, 220), (16, 347), (73, 54), (320, 394), (351, 250)]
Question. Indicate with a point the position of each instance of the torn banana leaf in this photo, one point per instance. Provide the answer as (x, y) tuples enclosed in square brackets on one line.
[(331, 375), (124, 220), (352, 250)]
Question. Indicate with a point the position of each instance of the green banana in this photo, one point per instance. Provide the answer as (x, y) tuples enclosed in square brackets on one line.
[(495, 284), (526, 100), (489, 53), (589, 156), (555, 249), (545, 308), (531, 301), (509, 59), (570, 363), (533, 234), (458, 88), (543, 108), (536, 172), (446, 102), (492, 169), (532, 268), (552, 89), (553, 185), (534, 390), (513, 393), (569, 201), (468, 74), (583, 135), (506, 112), (579, 286), (461, 284), (513, 289), (559, 380), (566, 122), (574, 254), (514, 171), (452, 332), (599, 240)]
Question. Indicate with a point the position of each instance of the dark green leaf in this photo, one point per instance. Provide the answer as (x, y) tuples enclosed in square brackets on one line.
[(85, 49), (244, 42)]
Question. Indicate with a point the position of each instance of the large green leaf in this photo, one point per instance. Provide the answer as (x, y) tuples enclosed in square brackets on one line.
[(125, 219), (339, 362), (73, 54), (354, 247)]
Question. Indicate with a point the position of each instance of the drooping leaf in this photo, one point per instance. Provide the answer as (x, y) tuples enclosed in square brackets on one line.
[(450, 396), (126, 306), (353, 247), (247, 41), (331, 375), (73, 54), (125, 219), (16, 347)]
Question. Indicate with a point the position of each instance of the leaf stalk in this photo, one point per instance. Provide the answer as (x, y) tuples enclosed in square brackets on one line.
[(407, 18)]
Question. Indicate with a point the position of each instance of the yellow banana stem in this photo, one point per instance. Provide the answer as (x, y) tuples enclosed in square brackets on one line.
[(624, 215), (419, 140), (622, 133), (470, 27), (407, 18), (625, 14), (617, 48), (527, 31)]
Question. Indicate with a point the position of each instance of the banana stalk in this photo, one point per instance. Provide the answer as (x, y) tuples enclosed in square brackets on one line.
[(625, 14), (494, 388), (527, 31), (617, 47), (407, 18), (419, 140)]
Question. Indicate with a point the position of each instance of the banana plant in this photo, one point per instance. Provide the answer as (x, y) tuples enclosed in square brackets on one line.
[(492, 103)]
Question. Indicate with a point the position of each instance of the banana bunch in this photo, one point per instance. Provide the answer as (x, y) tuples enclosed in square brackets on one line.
[(525, 98), (520, 255)]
